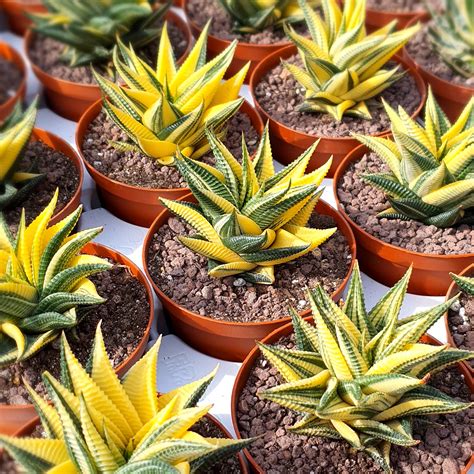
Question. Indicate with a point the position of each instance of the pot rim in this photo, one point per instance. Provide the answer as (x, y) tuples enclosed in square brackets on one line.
[(246, 367), (17, 59), (416, 15), (352, 157), (271, 61), (93, 111), (105, 251), (171, 17), (345, 229)]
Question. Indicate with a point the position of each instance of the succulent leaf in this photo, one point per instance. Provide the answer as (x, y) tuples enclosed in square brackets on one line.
[(464, 283)]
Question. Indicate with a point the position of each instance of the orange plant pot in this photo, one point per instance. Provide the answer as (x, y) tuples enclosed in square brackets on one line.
[(375, 19), (275, 336), (13, 417), (288, 144), (244, 53), (16, 14), (453, 290), (223, 339), (11, 55), (72, 99), (387, 263), (451, 97), (58, 144), (133, 204), (178, 3)]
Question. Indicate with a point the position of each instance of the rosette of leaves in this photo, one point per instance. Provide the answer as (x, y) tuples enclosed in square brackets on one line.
[(361, 375), (431, 177), (43, 282), (251, 16), (90, 28), (98, 424), (169, 107), (343, 65), (465, 283), (452, 35), (15, 134), (250, 218)]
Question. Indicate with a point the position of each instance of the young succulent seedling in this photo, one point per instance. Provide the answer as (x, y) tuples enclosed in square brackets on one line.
[(361, 376), (251, 16), (90, 28), (168, 108), (15, 134), (431, 177), (452, 35), (99, 424), (465, 284), (43, 282), (343, 65), (250, 218)]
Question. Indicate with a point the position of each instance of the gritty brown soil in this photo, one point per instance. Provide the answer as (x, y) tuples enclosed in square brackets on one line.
[(47, 53), (10, 78), (137, 169), (445, 447), (362, 202), (124, 317), (182, 275), (424, 54), (397, 5), (60, 172), (281, 96), (461, 323)]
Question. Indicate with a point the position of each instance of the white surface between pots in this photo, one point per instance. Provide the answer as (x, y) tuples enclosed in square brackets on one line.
[(179, 363)]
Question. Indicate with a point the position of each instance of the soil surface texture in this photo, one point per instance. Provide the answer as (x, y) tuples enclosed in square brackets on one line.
[(362, 202), (10, 78), (60, 172), (461, 323), (424, 53), (182, 275), (47, 54), (124, 317), (445, 447), (281, 96), (137, 169)]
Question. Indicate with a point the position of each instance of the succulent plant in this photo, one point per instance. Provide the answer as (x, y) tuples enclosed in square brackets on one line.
[(361, 375), (452, 35), (431, 176), (169, 108), (465, 283), (43, 282), (251, 16), (15, 133), (99, 424), (342, 64), (250, 218), (90, 28)]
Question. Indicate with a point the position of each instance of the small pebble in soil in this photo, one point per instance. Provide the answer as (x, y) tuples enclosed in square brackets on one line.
[(461, 323), (10, 78)]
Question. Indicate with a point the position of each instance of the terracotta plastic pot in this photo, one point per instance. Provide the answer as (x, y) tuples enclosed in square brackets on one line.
[(288, 144), (178, 3), (223, 339), (28, 428), (244, 52), (451, 97), (16, 14), (246, 368), (58, 144), (133, 204), (13, 417), (387, 263), (453, 291), (10, 54), (376, 19), (72, 99)]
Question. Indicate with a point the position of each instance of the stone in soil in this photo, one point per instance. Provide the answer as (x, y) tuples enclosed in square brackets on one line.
[(445, 446), (280, 95), (424, 53), (461, 323), (60, 172), (182, 275), (362, 202), (46, 53), (137, 169), (10, 78), (124, 317)]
